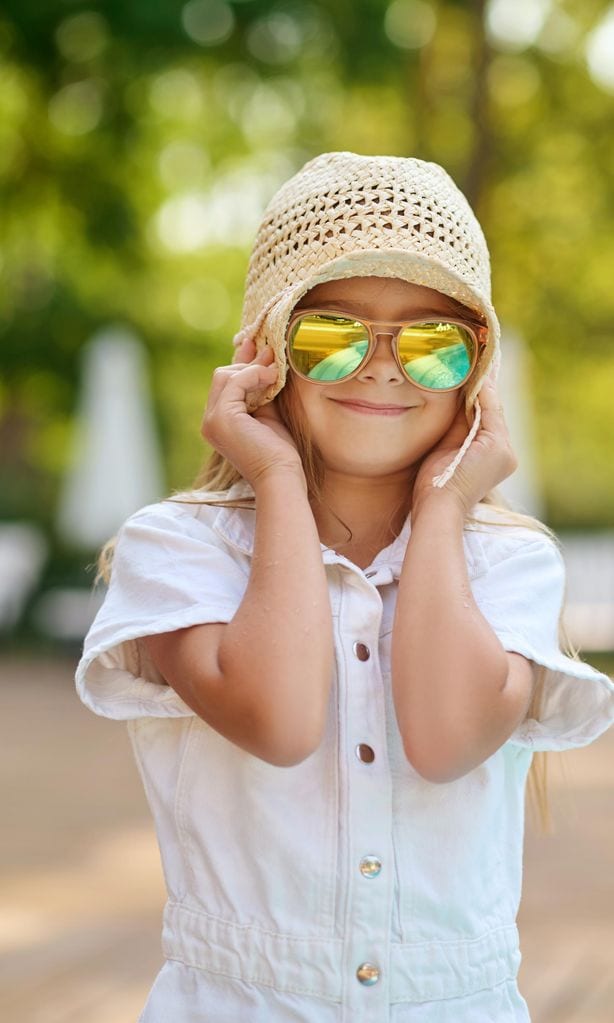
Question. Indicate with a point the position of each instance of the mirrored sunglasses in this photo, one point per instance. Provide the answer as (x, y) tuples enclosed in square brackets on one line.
[(435, 355)]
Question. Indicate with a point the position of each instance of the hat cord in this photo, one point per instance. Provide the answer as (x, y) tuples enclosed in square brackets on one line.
[(442, 479)]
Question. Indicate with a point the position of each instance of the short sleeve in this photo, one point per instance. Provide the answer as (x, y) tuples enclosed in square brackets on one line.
[(170, 570), (521, 596)]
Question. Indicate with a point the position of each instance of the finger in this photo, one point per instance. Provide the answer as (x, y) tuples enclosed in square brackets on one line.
[(266, 355), (222, 373), (490, 400), (233, 366), (219, 393), (245, 351), (253, 377), (221, 376)]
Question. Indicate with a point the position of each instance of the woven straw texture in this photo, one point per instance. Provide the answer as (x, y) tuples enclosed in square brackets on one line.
[(348, 215)]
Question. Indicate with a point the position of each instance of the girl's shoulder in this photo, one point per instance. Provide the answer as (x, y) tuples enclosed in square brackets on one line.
[(496, 533), (187, 511), (172, 512)]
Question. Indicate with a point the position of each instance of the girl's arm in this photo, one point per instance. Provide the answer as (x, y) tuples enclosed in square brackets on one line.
[(262, 680), (458, 694)]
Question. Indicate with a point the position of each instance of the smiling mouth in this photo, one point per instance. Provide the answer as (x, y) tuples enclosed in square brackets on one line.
[(372, 408)]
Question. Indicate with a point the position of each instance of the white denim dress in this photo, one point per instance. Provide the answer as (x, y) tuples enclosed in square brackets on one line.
[(345, 889)]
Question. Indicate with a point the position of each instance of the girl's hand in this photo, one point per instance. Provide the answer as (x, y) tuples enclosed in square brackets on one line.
[(489, 459), (255, 443)]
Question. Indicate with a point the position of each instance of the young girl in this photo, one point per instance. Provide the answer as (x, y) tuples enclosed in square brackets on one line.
[(331, 651)]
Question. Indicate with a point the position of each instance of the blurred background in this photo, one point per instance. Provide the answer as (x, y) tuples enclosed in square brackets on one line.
[(139, 144)]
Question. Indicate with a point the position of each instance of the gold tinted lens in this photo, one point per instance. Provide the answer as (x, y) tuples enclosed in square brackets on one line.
[(437, 355), (324, 347)]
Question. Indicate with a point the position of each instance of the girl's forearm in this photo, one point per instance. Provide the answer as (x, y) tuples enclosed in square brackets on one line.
[(449, 670), (279, 645)]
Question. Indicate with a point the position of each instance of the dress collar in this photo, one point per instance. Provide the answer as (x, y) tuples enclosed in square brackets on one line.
[(237, 525)]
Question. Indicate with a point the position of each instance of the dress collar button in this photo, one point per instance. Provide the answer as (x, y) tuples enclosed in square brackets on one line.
[(361, 651)]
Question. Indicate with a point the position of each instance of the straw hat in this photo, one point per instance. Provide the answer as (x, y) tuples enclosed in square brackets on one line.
[(346, 215)]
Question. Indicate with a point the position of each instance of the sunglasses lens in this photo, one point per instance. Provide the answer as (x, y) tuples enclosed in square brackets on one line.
[(437, 355), (325, 347)]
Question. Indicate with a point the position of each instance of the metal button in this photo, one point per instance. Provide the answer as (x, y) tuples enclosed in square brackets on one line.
[(368, 973), (370, 866), (361, 651), (365, 753), (370, 573)]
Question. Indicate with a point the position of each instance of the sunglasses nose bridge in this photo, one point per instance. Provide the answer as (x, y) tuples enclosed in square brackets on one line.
[(385, 329)]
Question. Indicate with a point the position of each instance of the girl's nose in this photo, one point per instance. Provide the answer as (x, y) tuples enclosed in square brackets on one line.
[(381, 365)]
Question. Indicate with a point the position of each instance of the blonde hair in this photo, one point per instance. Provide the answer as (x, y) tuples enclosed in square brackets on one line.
[(217, 475)]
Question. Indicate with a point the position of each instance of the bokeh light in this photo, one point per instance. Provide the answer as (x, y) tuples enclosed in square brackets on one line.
[(76, 109), (182, 164), (208, 22), (82, 36), (275, 39), (559, 34), (600, 52), (177, 94), (410, 24), (269, 117), (516, 24)]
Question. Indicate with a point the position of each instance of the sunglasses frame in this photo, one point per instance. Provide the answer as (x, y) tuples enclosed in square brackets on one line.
[(375, 328)]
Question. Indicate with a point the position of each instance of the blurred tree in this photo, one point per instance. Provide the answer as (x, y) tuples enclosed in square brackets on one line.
[(139, 143)]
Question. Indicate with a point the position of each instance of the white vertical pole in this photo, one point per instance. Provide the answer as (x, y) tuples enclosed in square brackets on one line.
[(115, 466)]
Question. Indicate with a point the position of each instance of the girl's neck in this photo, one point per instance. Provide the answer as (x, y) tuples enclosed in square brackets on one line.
[(373, 509)]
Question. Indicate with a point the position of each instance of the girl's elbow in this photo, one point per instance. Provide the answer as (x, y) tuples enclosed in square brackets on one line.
[(288, 747), (432, 768), (288, 754)]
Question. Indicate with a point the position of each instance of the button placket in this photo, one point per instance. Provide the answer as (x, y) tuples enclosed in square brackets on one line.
[(369, 866), (369, 907)]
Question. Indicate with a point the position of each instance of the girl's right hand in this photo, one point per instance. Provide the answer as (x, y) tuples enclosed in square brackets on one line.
[(255, 443)]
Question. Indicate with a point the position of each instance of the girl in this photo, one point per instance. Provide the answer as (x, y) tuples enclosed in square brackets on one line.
[(339, 652)]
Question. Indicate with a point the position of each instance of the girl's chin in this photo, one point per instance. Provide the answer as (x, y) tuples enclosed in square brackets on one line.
[(371, 468)]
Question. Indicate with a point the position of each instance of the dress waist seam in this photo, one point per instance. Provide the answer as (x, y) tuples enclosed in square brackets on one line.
[(419, 971)]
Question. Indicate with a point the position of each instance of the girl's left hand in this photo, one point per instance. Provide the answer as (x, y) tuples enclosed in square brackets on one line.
[(489, 459)]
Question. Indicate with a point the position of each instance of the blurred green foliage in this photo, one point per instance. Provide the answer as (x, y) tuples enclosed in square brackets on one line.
[(139, 143)]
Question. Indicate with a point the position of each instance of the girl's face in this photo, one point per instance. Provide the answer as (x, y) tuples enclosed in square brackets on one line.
[(370, 441)]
